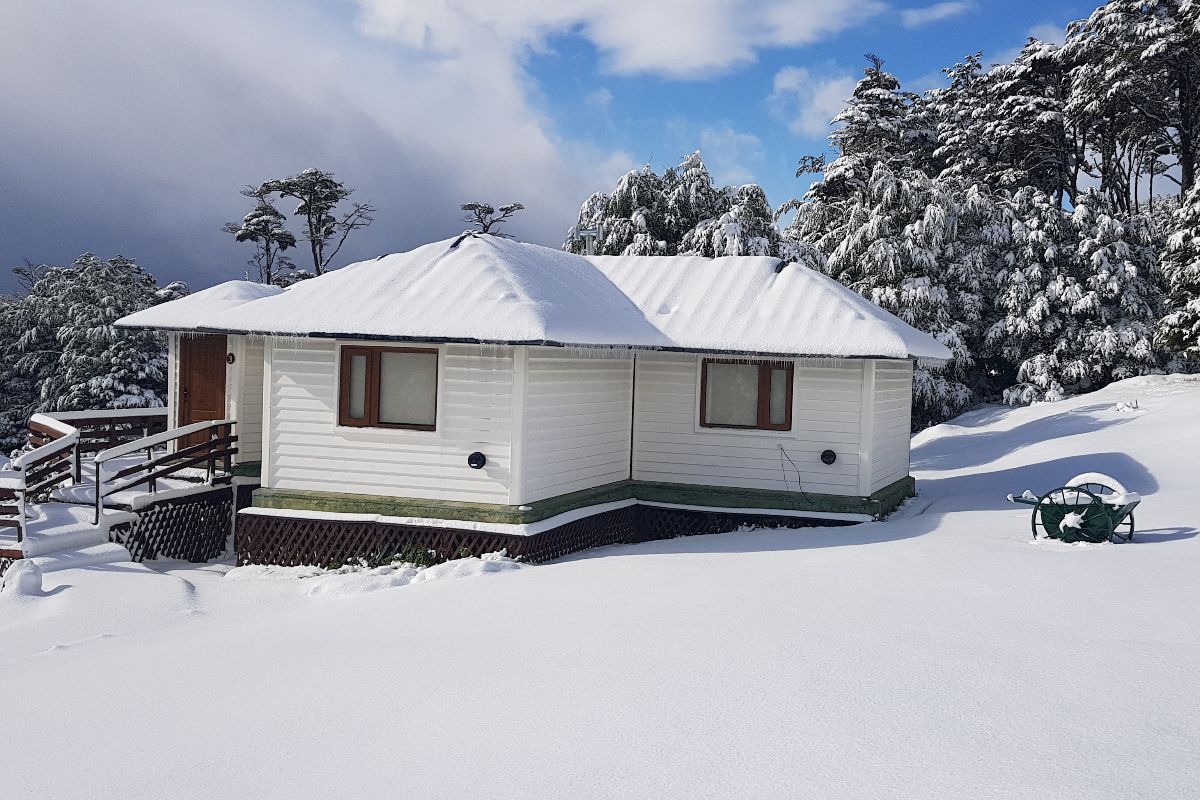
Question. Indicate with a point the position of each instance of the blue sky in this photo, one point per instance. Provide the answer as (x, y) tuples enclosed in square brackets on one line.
[(131, 125), (753, 132)]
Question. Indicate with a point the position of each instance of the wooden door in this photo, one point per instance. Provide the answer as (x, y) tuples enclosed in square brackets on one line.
[(201, 387)]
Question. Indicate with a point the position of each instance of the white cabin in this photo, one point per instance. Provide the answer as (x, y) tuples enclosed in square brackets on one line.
[(485, 381)]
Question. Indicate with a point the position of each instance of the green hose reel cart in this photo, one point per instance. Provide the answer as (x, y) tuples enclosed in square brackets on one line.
[(1091, 507)]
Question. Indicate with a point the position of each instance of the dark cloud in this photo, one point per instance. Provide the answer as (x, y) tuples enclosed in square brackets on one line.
[(129, 128)]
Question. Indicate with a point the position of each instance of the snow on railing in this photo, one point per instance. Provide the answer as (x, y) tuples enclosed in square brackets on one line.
[(61, 437), (217, 443)]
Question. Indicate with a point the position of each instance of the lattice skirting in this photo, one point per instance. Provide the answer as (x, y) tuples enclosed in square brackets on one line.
[(5, 563), (193, 528), (295, 540)]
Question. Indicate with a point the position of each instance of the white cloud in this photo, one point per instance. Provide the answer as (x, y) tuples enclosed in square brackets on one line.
[(916, 17), (601, 99), (132, 128), (808, 101), (728, 152), (673, 38)]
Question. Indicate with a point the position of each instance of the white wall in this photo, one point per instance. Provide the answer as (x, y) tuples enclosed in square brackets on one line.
[(249, 414), (891, 425), (670, 446), (576, 420), (308, 450)]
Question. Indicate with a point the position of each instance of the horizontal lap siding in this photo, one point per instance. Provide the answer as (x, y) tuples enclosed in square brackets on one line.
[(893, 420), (308, 451), (825, 415), (250, 406), (576, 425)]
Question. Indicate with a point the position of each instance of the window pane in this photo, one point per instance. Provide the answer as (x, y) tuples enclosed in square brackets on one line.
[(358, 387), (408, 388), (731, 396), (779, 392)]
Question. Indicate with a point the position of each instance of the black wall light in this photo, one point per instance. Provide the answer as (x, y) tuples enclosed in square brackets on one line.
[(828, 457), (476, 460)]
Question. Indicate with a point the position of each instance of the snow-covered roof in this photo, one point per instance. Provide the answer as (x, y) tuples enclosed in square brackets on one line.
[(189, 312), (492, 290)]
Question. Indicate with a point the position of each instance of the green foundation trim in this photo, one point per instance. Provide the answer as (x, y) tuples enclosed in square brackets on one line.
[(248, 469), (878, 504)]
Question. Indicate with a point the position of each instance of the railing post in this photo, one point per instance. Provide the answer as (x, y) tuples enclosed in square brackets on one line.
[(149, 458), (212, 464), (227, 430), (99, 499), (20, 493), (77, 466)]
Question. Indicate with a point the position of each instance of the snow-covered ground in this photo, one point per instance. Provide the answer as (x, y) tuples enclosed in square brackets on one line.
[(939, 654)]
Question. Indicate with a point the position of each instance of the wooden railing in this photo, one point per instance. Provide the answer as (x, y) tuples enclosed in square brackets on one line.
[(168, 453), (60, 441), (100, 430), (38, 471)]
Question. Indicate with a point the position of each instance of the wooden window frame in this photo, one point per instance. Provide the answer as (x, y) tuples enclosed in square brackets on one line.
[(764, 394), (371, 401)]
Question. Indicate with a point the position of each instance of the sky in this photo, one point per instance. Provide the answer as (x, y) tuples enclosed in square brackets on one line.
[(129, 126)]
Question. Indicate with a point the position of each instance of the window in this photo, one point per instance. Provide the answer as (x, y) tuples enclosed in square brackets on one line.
[(746, 394), (388, 387)]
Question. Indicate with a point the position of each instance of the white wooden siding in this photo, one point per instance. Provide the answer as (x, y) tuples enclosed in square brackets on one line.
[(670, 446), (892, 422), (250, 403), (576, 421), (308, 450)]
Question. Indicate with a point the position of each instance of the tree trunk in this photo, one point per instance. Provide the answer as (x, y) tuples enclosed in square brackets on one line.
[(1187, 118)]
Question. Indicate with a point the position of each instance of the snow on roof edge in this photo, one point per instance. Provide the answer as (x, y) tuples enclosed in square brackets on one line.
[(370, 337)]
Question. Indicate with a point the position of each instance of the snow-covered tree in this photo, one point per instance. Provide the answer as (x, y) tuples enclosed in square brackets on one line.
[(873, 128), (1136, 85), (1081, 297), (690, 197), (746, 229), (69, 350), (1036, 256), (1179, 330), (318, 194), (1120, 270), (265, 227), (895, 245), (681, 211)]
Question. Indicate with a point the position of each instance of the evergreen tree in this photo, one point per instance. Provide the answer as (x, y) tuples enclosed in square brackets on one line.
[(690, 197), (69, 350), (1179, 330), (873, 128), (318, 194), (1036, 266), (681, 211), (1120, 270), (746, 229), (895, 247), (264, 226)]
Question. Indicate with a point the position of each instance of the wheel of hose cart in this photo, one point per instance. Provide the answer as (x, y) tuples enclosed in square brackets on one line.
[(1072, 514)]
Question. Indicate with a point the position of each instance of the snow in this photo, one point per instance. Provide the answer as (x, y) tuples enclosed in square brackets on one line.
[(350, 580), (736, 304), (23, 578), (938, 654), (493, 290), (187, 312)]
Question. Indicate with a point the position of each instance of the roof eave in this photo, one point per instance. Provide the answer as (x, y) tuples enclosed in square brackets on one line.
[(371, 337)]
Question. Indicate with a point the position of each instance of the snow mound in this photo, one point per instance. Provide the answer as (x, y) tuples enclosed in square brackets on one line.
[(23, 578), (351, 580)]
